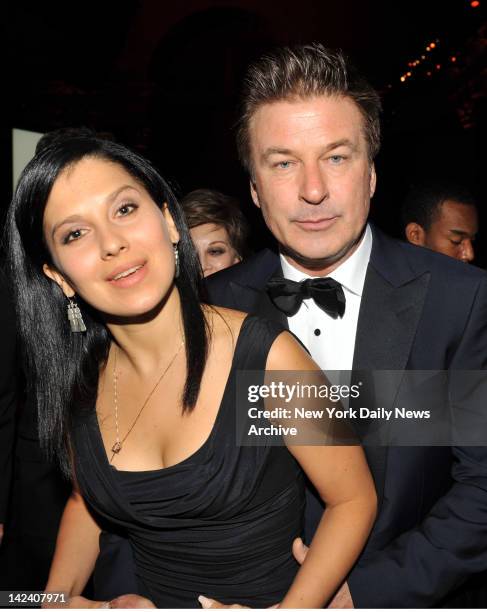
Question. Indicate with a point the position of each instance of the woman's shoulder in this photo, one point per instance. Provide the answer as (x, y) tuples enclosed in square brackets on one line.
[(279, 348), (219, 317), (226, 321), (288, 353)]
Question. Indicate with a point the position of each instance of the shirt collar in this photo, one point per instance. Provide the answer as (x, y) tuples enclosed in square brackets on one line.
[(350, 274)]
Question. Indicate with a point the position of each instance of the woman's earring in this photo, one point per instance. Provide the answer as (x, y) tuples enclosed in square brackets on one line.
[(75, 318), (176, 260)]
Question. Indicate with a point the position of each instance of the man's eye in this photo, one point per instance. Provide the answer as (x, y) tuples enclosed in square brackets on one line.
[(126, 209), (72, 235), (456, 242), (283, 164), (337, 159)]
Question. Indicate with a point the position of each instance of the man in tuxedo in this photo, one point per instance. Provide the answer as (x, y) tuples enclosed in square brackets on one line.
[(308, 134)]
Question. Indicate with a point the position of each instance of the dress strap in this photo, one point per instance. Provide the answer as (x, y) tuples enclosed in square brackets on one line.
[(254, 342)]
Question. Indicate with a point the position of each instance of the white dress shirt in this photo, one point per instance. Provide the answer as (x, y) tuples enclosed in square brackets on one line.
[(331, 342)]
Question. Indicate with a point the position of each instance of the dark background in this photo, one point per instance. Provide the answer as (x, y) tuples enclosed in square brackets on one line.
[(164, 77)]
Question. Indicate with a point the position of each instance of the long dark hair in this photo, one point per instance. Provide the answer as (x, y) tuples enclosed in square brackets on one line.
[(62, 368)]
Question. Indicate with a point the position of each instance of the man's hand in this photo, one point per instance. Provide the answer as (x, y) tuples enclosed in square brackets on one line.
[(343, 598), (129, 601), (124, 601), (300, 550), (76, 602), (207, 603)]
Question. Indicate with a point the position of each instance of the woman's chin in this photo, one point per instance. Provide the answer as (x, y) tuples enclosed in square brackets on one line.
[(141, 308), (136, 313)]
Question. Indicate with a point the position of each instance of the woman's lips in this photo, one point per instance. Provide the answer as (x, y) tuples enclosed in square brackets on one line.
[(131, 279), (318, 224)]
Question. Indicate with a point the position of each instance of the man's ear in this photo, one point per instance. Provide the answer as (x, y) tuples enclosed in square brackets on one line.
[(415, 234), (59, 279), (373, 180), (171, 226), (254, 194)]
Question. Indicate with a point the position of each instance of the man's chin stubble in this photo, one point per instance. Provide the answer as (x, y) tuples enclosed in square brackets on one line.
[(324, 265)]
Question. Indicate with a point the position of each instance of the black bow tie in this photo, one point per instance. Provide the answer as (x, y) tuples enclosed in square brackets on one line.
[(287, 295)]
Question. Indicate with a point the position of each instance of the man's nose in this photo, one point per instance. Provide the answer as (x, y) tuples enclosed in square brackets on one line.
[(313, 188), (468, 253)]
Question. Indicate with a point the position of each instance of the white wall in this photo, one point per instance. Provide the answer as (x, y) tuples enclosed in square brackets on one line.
[(23, 149)]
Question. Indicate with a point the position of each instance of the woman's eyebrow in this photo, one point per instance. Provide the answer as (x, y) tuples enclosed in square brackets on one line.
[(108, 200)]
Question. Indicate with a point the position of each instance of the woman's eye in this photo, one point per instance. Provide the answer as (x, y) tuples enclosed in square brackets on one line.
[(126, 209), (72, 235), (216, 252)]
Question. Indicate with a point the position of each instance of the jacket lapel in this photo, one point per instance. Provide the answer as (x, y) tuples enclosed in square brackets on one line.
[(265, 307), (390, 310), (254, 298), (387, 322)]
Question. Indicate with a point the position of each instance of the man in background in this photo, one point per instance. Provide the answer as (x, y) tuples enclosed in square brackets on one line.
[(443, 217)]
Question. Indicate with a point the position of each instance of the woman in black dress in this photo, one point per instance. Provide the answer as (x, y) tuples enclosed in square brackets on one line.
[(136, 395)]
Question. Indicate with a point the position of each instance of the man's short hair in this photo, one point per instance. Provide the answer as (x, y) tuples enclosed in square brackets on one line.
[(210, 206), (302, 72), (422, 203)]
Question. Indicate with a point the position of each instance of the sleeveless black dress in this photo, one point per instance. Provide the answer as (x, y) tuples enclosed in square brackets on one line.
[(220, 523)]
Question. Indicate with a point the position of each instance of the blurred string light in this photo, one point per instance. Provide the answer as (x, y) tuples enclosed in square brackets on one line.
[(428, 59), (430, 47)]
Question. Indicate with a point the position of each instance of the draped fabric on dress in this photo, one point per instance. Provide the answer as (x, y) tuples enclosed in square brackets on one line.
[(220, 523)]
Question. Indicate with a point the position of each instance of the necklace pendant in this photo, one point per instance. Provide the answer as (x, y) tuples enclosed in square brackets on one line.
[(116, 448)]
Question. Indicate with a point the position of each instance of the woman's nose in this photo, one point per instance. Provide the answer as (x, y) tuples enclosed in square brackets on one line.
[(112, 242)]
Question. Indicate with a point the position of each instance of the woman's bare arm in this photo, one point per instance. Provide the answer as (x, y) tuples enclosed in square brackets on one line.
[(76, 548), (343, 480)]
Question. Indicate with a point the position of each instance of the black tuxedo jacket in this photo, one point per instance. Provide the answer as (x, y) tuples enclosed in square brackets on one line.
[(423, 311)]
